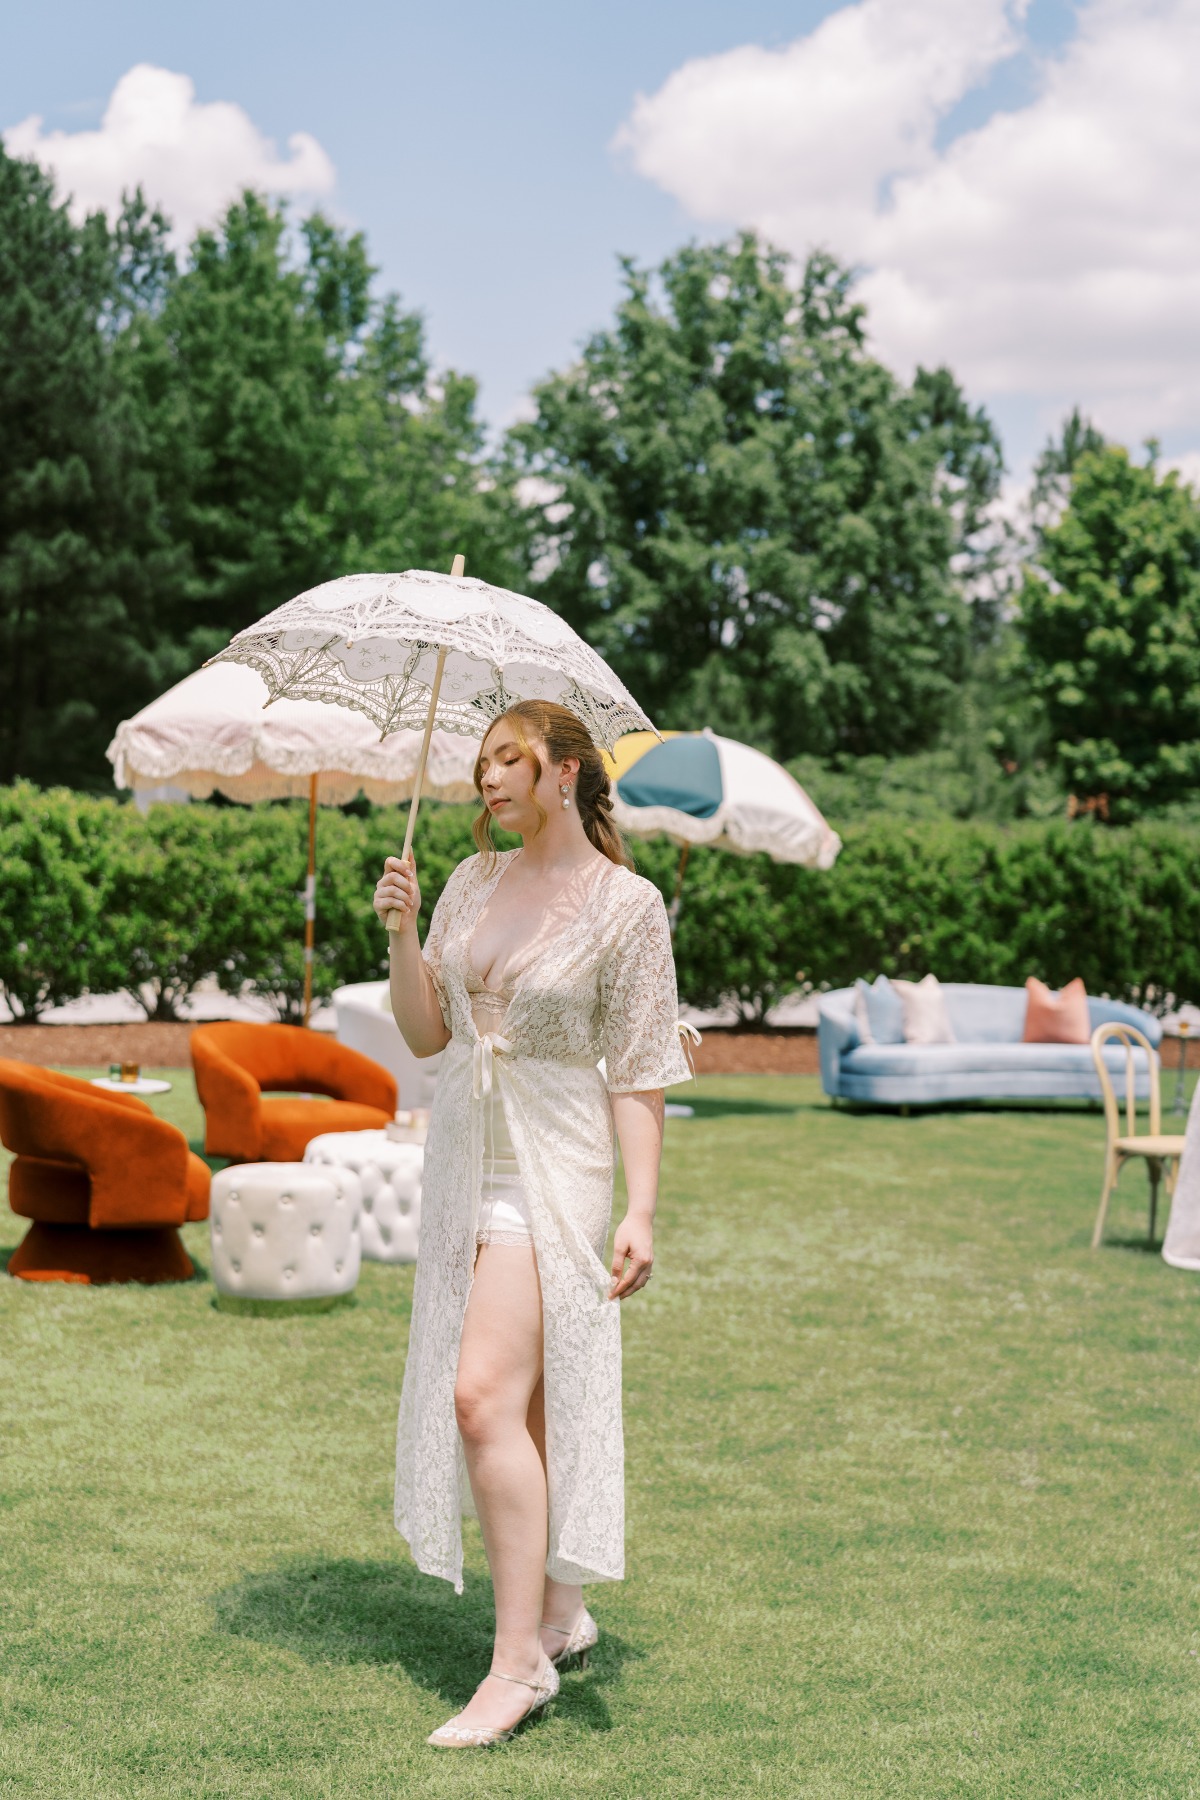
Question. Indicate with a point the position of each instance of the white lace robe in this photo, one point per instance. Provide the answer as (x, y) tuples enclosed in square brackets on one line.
[(604, 987)]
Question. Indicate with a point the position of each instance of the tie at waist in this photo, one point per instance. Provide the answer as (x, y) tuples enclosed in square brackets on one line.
[(486, 1048)]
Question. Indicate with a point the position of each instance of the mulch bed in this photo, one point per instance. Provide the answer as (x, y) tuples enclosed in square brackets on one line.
[(165, 1046), (92, 1046), (774, 1052), (723, 1052)]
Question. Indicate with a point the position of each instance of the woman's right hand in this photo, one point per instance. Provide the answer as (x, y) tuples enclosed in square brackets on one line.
[(398, 891)]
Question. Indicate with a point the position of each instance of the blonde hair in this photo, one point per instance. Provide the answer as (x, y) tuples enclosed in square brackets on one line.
[(564, 734)]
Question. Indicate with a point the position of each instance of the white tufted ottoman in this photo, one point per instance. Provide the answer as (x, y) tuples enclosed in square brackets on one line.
[(284, 1236), (390, 1176)]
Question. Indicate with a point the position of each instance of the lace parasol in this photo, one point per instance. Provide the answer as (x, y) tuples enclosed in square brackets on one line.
[(422, 648), (372, 642)]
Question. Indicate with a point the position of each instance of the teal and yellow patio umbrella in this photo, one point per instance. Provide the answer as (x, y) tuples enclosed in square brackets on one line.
[(695, 787)]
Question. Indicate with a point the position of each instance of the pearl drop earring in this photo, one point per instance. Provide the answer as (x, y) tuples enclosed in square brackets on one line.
[(565, 791)]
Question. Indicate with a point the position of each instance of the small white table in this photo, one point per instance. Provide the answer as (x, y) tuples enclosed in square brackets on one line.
[(390, 1176), (145, 1084)]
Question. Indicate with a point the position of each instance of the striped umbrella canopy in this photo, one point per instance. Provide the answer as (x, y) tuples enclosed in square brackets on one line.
[(697, 788)]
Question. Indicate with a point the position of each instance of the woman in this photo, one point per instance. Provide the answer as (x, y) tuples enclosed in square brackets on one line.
[(538, 962)]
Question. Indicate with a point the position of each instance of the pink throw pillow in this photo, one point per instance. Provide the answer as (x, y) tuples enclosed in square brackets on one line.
[(1060, 1018)]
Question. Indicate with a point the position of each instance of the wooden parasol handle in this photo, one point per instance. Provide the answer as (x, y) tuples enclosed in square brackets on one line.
[(395, 919)]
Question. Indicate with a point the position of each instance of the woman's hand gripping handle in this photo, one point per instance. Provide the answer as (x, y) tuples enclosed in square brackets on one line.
[(415, 1005), (398, 895)]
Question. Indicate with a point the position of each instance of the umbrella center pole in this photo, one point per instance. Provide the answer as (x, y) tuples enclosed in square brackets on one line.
[(677, 896), (310, 897)]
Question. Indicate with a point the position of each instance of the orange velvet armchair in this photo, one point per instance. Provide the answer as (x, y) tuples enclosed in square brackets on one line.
[(105, 1182), (235, 1064)]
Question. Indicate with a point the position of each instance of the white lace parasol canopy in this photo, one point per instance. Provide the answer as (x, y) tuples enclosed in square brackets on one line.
[(372, 641)]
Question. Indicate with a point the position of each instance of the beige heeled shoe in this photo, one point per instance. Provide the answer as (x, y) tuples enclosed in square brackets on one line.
[(480, 1737), (582, 1638)]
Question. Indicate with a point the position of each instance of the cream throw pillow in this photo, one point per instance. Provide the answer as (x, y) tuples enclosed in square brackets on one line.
[(926, 1020)]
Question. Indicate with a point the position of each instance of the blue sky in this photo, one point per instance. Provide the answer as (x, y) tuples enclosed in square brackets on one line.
[(474, 145)]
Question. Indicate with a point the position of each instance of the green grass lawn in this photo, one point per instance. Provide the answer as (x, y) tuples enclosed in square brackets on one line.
[(913, 1496)]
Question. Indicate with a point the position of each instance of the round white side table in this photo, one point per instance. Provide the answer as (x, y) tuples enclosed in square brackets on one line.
[(389, 1174), (145, 1084)]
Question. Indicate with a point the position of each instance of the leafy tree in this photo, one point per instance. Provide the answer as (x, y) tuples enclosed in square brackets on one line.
[(1110, 627), (299, 428), (962, 777), (765, 530), (414, 481), (1052, 473), (83, 554), (181, 451), (238, 375)]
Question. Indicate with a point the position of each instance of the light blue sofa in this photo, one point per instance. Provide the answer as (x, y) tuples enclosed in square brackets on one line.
[(989, 1061)]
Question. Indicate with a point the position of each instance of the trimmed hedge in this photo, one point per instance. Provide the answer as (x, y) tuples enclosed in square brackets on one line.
[(49, 899), (969, 901), (984, 903), (96, 898)]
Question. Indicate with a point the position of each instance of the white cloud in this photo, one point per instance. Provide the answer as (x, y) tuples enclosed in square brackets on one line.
[(801, 140), (1187, 467), (1052, 253), (191, 157)]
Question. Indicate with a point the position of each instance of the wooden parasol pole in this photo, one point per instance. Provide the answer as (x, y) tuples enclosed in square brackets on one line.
[(310, 896), (396, 919)]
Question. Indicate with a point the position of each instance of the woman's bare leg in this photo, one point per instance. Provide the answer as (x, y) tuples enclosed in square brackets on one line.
[(561, 1600), (499, 1366)]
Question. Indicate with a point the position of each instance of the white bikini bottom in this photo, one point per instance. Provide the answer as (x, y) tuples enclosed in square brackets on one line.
[(503, 1211)]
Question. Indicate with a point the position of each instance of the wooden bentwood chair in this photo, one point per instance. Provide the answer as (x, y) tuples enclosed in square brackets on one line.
[(1161, 1153)]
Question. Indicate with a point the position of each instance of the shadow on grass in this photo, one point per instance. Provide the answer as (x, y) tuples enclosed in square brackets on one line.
[(200, 1271), (215, 1163), (1141, 1245), (729, 1108), (342, 1610), (1082, 1108)]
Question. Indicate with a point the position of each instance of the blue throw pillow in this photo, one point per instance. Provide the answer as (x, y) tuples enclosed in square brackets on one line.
[(879, 1006)]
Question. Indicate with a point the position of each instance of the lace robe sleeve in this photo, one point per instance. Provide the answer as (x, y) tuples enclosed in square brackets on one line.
[(639, 1004), (435, 937)]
